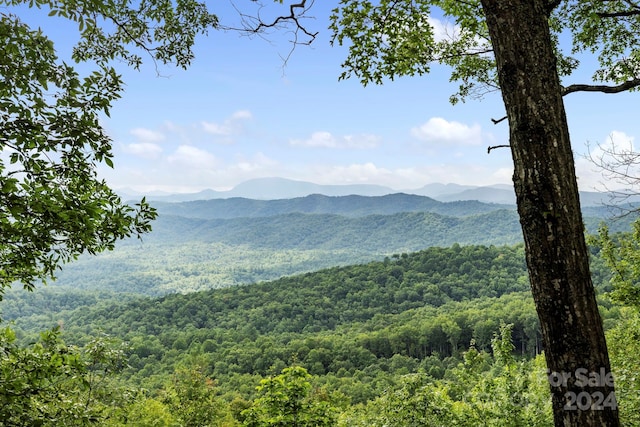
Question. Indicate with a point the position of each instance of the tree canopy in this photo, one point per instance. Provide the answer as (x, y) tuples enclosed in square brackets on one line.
[(516, 47), (53, 204), (389, 39)]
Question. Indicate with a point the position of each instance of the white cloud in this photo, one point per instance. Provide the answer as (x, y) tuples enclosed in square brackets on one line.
[(190, 169), (443, 30), (242, 115), (230, 126), (459, 173), (361, 141), (145, 150), (190, 157), (446, 31), (503, 175), (617, 142), (407, 177), (171, 126), (437, 129), (323, 139), (147, 135), (216, 129), (317, 139), (357, 173), (259, 162)]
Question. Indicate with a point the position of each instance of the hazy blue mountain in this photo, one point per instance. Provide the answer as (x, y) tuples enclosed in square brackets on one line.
[(483, 194), (353, 205), (128, 194), (504, 194), (185, 197), (609, 199), (265, 189), (436, 190), (282, 188)]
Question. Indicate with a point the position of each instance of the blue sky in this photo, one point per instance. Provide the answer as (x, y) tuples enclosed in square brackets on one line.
[(240, 113)]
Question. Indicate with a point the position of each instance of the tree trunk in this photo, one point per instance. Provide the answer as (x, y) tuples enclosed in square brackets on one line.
[(549, 208)]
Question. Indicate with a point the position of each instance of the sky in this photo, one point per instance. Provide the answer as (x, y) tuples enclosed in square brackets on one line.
[(242, 112)]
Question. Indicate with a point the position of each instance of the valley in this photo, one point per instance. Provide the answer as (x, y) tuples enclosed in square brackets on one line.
[(366, 294)]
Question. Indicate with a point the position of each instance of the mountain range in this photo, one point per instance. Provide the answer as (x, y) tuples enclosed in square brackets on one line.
[(213, 243), (350, 206), (282, 188)]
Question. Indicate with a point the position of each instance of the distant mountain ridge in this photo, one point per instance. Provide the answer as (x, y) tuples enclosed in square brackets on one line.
[(403, 231), (187, 254), (351, 206), (204, 244), (270, 189), (282, 188)]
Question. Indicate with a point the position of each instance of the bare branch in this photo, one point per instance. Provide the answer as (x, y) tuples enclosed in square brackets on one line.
[(493, 147), (496, 121), (630, 84), (620, 165), (255, 25), (291, 17)]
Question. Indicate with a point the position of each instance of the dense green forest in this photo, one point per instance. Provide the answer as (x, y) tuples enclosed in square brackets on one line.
[(425, 324), (210, 246), (346, 311), (398, 311)]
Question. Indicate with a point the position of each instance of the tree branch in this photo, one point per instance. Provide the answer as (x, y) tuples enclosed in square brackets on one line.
[(634, 11), (629, 84), (493, 147), (618, 14), (255, 24), (552, 4), (291, 17)]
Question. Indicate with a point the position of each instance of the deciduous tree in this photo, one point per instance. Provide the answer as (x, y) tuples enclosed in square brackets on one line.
[(53, 205), (513, 46), (288, 400), (50, 383)]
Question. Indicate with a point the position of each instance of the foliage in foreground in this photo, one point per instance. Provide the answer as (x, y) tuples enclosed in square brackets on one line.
[(53, 205), (50, 383), (410, 365), (70, 386), (484, 389)]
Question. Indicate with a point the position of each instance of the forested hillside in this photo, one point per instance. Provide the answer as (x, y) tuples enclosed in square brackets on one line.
[(359, 330), (354, 205), (264, 240), (412, 309), (374, 301), (429, 313)]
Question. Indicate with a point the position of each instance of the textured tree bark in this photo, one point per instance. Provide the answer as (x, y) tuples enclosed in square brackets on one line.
[(549, 208)]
